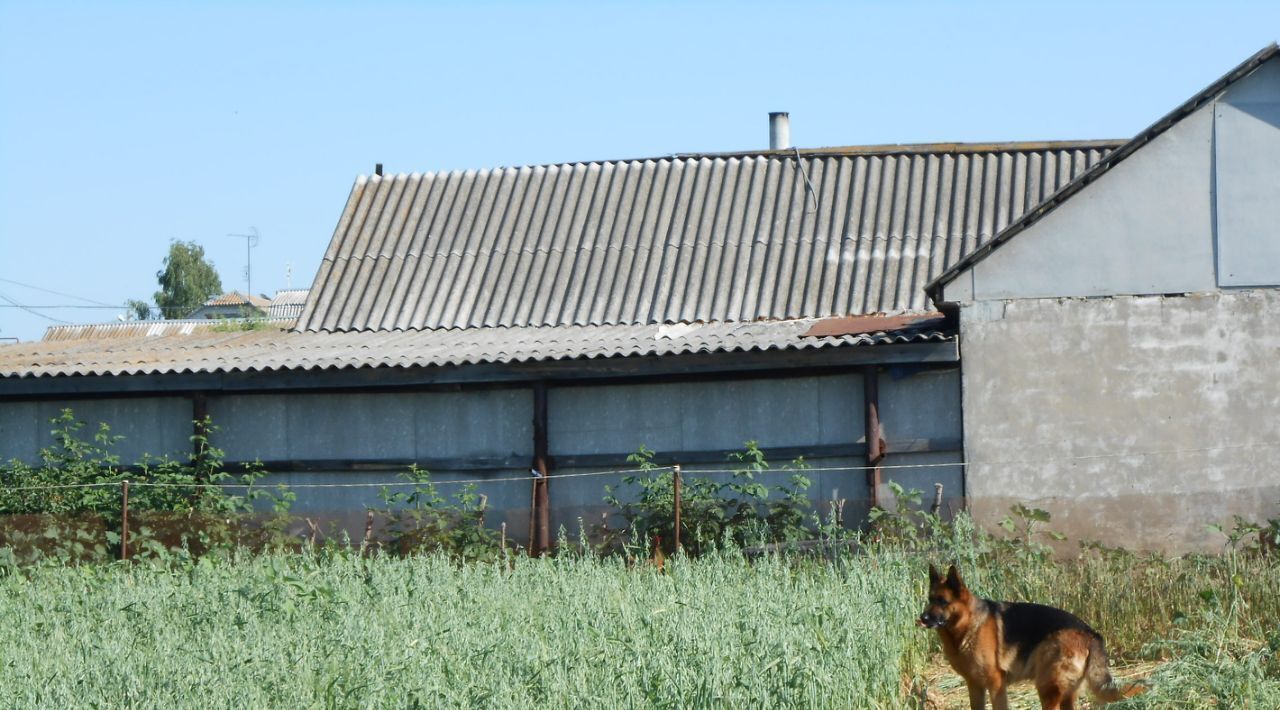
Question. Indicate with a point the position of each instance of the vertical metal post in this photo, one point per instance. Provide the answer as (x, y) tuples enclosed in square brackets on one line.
[(124, 519), (541, 496), (874, 436), (675, 482)]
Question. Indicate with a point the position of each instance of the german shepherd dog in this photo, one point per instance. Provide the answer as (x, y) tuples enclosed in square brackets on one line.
[(992, 644)]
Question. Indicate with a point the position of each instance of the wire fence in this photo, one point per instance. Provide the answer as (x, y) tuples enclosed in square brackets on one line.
[(111, 513), (123, 515)]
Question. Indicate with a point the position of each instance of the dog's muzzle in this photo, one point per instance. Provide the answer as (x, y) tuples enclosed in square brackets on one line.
[(929, 621)]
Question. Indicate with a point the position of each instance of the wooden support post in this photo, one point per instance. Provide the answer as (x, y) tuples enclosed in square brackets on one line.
[(540, 537), (124, 519), (675, 483), (874, 434)]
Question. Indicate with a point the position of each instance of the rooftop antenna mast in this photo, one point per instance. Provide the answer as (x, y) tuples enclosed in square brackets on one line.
[(250, 241)]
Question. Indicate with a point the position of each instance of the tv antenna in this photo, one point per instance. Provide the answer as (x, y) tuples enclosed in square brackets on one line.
[(250, 241)]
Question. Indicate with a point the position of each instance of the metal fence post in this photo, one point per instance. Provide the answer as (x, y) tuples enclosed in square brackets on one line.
[(124, 519), (676, 488)]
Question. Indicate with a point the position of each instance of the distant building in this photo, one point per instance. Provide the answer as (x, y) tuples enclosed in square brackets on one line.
[(232, 305), (287, 303)]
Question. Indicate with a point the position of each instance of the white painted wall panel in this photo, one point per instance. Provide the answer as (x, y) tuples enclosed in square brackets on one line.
[(1247, 172), (1145, 227)]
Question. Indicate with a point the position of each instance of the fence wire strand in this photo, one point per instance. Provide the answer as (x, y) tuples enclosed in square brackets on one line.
[(729, 466)]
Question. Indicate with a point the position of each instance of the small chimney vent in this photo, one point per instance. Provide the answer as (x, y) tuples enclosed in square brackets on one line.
[(779, 130)]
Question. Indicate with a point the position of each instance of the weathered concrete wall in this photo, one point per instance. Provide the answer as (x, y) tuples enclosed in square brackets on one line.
[(920, 408), (151, 426), (706, 415), (1134, 420), (472, 424)]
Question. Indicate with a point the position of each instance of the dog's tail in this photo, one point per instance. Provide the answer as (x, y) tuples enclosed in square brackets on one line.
[(1097, 674)]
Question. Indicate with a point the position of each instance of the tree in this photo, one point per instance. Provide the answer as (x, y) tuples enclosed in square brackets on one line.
[(187, 280), (138, 310)]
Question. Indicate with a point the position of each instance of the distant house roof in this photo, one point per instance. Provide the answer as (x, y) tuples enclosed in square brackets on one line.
[(235, 298), (147, 328), (287, 303), (207, 347), (1128, 148), (683, 239), (231, 305)]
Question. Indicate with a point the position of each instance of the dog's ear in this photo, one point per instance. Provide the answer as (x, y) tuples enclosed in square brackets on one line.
[(935, 577), (953, 579)]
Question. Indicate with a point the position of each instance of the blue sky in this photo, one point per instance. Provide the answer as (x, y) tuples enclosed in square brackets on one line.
[(126, 125)]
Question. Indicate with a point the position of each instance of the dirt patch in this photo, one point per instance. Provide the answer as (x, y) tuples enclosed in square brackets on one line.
[(944, 690)]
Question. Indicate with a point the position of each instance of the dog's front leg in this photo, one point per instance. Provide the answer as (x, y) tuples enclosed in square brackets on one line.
[(1000, 697), (977, 696)]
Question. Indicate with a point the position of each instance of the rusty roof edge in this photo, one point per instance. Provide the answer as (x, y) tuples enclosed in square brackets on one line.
[(934, 288)]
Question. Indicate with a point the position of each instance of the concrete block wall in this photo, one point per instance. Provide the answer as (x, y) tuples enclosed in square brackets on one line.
[(1133, 420)]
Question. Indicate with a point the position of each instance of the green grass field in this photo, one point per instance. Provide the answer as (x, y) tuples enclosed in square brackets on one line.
[(331, 629)]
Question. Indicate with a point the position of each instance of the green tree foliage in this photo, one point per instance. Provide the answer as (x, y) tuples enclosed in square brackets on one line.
[(187, 280), (138, 310)]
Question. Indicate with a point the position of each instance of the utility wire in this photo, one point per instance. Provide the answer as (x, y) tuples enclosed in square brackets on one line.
[(54, 306), (59, 293), (33, 312)]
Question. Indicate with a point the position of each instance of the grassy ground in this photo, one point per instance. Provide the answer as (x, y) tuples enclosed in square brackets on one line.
[(331, 629)]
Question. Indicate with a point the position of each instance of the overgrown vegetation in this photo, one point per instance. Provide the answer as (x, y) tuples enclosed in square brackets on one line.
[(230, 611), (423, 520), (735, 507), (69, 504)]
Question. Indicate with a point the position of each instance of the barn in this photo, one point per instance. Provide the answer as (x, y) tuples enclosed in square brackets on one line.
[(1078, 325)]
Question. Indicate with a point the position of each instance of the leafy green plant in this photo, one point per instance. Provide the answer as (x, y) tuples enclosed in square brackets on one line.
[(420, 519), (1026, 535), (739, 507), (77, 486)]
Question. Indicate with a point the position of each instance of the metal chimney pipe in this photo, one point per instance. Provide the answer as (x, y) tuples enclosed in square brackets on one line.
[(779, 130)]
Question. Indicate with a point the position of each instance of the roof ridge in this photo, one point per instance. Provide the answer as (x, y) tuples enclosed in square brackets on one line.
[(937, 148)]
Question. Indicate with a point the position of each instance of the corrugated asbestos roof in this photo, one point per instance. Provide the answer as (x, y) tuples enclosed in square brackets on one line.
[(150, 328), (681, 239), (235, 298), (213, 350), (288, 303)]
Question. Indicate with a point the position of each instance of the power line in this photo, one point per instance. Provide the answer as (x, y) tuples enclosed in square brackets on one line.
[(58, 293), (33, 312), (13, 304)]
